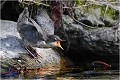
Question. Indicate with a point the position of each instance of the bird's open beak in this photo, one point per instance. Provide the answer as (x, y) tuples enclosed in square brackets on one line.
[(59, 45)]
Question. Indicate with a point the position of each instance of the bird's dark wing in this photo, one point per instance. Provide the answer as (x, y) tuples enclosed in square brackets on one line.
[(44, 21), (29, 32), (40, 31)]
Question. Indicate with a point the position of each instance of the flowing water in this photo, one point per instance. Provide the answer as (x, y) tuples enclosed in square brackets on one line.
[(68, 74)]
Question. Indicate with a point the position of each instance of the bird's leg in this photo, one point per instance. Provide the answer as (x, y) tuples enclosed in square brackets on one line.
[(32, 50), (27, 48), (35, 51)]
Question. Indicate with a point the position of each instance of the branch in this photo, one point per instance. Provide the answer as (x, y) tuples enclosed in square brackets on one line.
[(2, 3), (83, 23), (97, 3), (105, 12), (34, 2), (40, 3), (106, 3)]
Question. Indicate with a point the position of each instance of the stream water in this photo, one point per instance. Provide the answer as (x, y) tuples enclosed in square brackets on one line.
[(67, 74)]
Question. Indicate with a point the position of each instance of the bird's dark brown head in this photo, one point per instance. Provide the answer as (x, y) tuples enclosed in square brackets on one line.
[(55, 40), (52, 38)]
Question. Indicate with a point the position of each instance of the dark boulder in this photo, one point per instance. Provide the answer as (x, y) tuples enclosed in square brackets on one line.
[(94, 44), (96, 40)]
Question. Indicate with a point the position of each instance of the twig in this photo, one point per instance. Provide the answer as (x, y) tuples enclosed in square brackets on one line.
[(93, 2), (39, 3), (108, 3), (83, 23), (105, 12), (96, 3), (76, 6), (2, 3), (31, 11)]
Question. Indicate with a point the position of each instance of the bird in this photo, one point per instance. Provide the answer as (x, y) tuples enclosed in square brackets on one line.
[(36, 33)]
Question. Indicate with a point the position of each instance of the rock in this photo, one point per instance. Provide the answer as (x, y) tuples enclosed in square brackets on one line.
[(108, 20), (100, 39), (94, 18), (105, 40), (10, 39), (68, 18), (91, 18), (93, 42), (12, 51)]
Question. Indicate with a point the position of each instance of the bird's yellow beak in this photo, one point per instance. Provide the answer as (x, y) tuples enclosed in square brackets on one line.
[(59, 45)]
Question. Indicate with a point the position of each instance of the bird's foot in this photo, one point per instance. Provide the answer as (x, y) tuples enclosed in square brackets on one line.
[(33, 53)]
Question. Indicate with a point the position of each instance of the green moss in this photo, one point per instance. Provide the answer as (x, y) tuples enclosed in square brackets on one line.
[(78, 2), (112, 13)]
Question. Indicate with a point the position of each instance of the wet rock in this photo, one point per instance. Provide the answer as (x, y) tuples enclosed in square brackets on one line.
[(108, 21), (92, 18), (105, 40), (90, 72), (68, 18), (100, 40), (87, 45), (12, 51), (11, 43)]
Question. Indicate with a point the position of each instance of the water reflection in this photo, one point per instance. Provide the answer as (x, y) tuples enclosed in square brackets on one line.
[(68, 74)]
